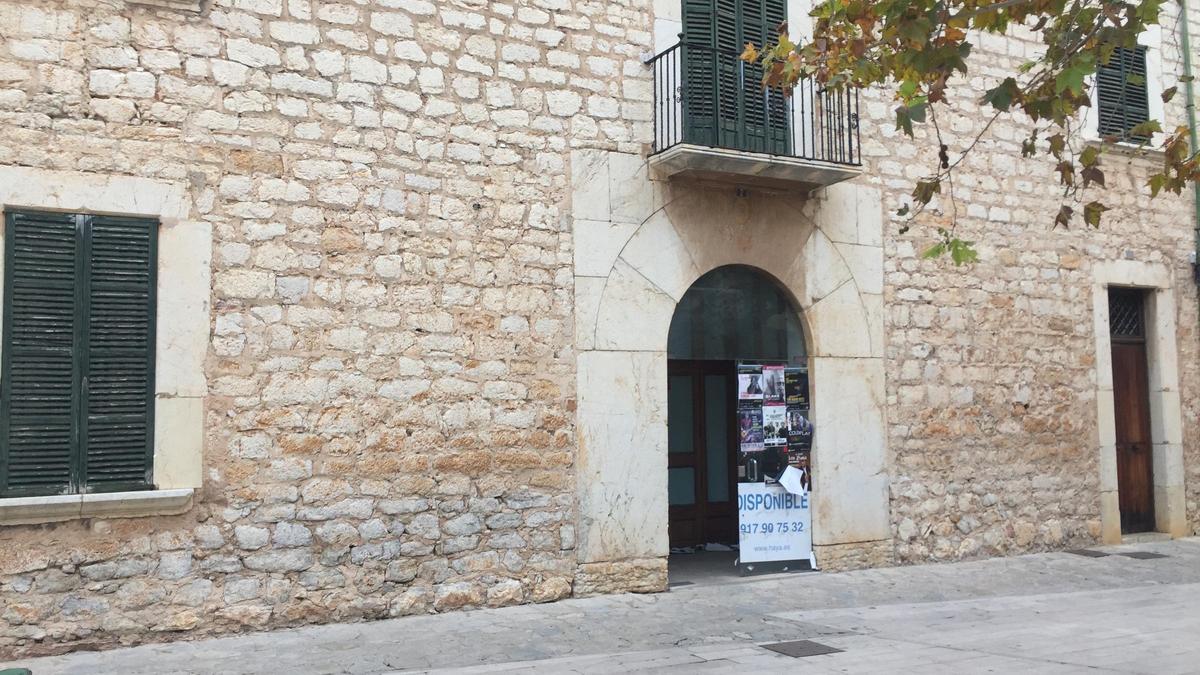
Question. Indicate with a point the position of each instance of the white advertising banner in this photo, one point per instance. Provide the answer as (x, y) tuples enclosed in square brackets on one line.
[(774, 524)]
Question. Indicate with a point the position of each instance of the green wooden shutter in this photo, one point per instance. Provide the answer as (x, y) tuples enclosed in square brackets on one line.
[(699, 72), (39, 399), (119, 391), (77, 396), (779, 119), (1122, 104), (724, 103)]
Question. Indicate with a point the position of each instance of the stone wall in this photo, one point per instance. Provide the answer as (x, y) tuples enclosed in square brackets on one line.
[(991, 367), (391, 372), (392, 361)]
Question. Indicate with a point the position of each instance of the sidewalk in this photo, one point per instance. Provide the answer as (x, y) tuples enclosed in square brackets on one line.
[(1052, 613)]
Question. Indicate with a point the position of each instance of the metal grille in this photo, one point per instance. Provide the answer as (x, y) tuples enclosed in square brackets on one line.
[(801, 648), (1125, 315)]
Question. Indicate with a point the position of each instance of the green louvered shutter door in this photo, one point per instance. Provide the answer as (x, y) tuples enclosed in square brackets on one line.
[(41, 370), (731, 113), (119, 392), (1122, 104), (754, 106), (724, 102), (699, 72), (779, 122)]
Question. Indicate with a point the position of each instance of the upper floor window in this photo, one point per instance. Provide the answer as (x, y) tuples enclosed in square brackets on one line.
[(77, 380), (725, 104), (1122, 100), (1127, 91)]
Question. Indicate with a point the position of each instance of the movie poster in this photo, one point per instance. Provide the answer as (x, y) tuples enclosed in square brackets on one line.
[(796, 385), (774, 424), (773, 384), (799, 429), (750, 385), (750, 428)]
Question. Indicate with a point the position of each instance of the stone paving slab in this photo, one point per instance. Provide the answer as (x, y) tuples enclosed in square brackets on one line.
[(1052, 612)]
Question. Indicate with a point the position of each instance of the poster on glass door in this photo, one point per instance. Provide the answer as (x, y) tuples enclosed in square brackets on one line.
[(775, 434)]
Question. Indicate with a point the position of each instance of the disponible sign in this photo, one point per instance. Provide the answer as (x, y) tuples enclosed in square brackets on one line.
[(774, 524)]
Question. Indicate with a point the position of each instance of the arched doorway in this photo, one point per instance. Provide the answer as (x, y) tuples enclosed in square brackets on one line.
[(733, 314)]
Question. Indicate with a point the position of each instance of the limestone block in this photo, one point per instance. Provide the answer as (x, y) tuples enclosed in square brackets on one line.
[(1166, 423), (77, 191), (839, 325), (646, 575), (588, 291), (1162, 341), (633, 314), (865, 264), (658, 253), (184, 278), (850, 493), (836, 212), (874, 308), (589, 184), (1170, 510), (1168, 465), (597, 245), (622, 461), (631, 193), (178, 442), (668, 25), (869, 212), (1108, 463), (1110, 517), (823, 268)]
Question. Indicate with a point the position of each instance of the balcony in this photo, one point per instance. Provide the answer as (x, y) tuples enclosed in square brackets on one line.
[(714, 121)]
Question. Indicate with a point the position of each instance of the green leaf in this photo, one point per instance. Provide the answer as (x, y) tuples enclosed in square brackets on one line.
[(1089, 156), (962, 252), (1092, 212), (924, 191), (1146, 128), (1057, 144), (1157, 182), (1002, 95), (934, 251), (1071, 79)]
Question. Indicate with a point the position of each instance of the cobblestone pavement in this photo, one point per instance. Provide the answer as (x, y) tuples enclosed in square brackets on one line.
[(1044, 613)]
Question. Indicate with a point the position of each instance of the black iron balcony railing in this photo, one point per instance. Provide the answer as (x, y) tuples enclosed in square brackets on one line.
[(710, 98)]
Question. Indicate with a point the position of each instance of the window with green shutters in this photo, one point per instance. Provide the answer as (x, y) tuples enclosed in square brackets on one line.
[(725, 104), (1122, 96), (77, 390)]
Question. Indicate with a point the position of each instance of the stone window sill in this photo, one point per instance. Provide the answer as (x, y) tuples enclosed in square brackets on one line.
[(55, 508), (1125, 148)]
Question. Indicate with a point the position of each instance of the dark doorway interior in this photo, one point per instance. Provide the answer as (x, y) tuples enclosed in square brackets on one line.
[(1131, 398), (700, 452)]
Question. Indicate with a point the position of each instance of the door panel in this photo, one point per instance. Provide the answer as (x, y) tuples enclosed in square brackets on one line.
[(1135, 459), (700, 460)]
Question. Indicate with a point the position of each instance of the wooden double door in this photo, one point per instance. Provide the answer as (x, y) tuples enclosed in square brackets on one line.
[(701, 452)]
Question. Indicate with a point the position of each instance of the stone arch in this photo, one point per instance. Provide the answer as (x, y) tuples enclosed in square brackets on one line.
[(629, 277)]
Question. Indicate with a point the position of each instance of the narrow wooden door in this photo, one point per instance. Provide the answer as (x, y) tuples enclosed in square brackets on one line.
[(1131, 398), (701, 485)]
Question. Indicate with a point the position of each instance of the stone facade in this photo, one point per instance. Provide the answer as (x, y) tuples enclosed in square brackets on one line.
[(415, 258)]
